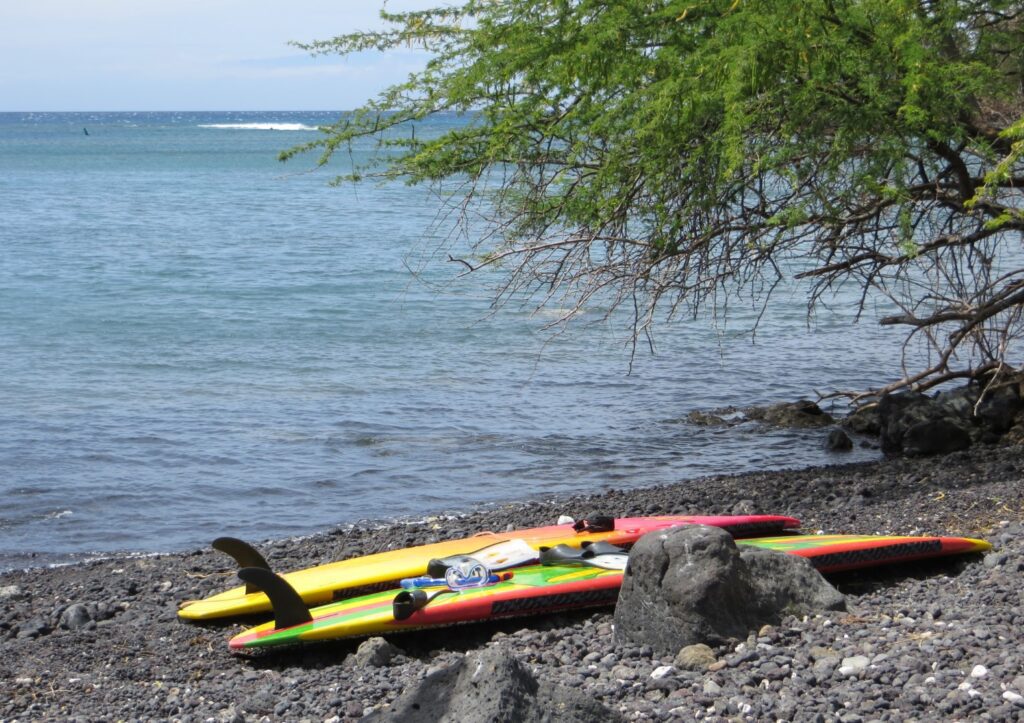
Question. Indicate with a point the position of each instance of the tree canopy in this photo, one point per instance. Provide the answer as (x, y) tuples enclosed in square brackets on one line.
[(666, 154)]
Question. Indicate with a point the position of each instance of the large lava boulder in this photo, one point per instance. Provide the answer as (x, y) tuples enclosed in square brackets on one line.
[(801, 414), (915, 424), (492, 686), (692, 585)]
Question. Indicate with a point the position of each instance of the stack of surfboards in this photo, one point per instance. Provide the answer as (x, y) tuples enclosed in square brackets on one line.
[(524, 572)]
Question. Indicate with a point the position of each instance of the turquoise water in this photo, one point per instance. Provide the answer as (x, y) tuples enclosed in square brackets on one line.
[(197, 340)]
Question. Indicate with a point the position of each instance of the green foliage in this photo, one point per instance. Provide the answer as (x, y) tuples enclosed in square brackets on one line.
[(671, 149)]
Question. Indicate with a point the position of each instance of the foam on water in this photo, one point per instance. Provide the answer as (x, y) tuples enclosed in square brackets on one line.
[(198, 341), (261, 126)]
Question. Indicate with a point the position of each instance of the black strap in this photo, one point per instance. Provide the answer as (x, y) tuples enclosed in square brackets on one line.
[(409, 601), (595, 523)]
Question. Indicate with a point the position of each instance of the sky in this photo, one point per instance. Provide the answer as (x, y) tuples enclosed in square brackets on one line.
[(118, 55)]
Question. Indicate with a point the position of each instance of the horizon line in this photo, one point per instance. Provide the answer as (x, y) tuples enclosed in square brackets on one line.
[(192, 110)]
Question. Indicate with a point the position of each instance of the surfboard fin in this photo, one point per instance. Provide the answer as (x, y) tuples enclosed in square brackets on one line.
[(289, 609), (242, 553)]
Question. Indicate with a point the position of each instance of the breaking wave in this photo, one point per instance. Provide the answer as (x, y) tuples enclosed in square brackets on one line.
[(260, 126)]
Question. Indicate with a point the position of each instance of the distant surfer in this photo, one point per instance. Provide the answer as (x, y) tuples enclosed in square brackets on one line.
[(85, 131)]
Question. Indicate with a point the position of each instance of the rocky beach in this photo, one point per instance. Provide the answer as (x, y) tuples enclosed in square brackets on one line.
[(937, 640)]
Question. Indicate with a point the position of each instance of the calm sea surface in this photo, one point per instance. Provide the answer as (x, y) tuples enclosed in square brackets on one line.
[(197, 340)]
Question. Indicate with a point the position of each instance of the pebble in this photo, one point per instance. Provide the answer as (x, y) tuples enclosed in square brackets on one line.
[(853, 665), (624, 672), (75, 616), (374, 652), (8, 592), (695, 657), (911, 647)]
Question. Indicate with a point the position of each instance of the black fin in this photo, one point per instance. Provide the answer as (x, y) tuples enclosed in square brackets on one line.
[(561, 555), (601, 548), (243, 553), (566, 555), (289, 610)]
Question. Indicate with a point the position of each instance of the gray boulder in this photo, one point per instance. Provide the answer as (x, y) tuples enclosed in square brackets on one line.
[(698, 657), (691, 585), (999, 411), (492, 686), (374, 653), (801, 414), (838, 441), (912, 423), (915, 424), (993, 411), (75, 617), (864, 420), (788, 585), (935, 436)]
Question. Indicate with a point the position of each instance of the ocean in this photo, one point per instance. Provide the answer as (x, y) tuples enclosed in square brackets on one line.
[(197, 340)]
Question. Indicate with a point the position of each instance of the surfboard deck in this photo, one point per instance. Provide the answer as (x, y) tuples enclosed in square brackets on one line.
[(839, 553), (326, 583), (533, 590), (542, 589)]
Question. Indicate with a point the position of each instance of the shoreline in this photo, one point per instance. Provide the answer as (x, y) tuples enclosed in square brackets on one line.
[(132, 658), (49, 560)]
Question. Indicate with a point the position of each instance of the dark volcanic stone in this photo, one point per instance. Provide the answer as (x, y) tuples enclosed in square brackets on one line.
[(75, 617), (864, 420), (914, 424), (999, 410), (935, 436), (801, 414), (681, 587), (33, 628), (492, 686), (375, 652), (691, 585), (898, 412), (838, 441), (788, 585)]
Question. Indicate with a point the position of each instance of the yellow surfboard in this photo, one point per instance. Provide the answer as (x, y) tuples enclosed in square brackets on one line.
[(361, 575)]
